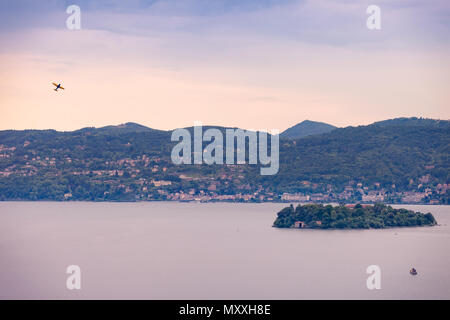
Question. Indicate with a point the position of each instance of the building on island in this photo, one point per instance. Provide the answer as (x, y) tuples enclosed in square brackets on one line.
[(299, 224)]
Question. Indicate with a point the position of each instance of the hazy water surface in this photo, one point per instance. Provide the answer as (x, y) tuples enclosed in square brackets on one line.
[(169, 250)]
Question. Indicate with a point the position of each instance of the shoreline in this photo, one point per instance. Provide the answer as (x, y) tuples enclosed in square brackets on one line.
[(229, 201), (218, 201)]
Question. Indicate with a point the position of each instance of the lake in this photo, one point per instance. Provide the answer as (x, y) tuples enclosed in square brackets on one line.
[(171, 250)]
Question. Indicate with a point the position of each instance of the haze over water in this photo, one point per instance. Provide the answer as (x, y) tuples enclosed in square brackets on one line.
[(170, 250)]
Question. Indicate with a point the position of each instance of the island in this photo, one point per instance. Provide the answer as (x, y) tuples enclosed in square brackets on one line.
[(378, 216)]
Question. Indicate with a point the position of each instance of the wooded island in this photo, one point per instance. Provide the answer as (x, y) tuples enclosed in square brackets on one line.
[(357, 216)]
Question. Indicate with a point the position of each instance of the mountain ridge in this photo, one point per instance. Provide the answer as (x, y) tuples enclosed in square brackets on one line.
[(322, 127)]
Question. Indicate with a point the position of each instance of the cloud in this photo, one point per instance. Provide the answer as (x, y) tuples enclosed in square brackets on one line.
[(266, 63), (330, 22)]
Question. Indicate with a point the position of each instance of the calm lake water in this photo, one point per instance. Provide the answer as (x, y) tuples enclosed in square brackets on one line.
[(169, 250)]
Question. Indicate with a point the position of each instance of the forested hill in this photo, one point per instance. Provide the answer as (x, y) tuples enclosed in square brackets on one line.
[(306, 128), (385, 154), (399, 160)]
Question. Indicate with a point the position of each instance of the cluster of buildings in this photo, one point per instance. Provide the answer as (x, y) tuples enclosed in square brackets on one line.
[(203, 196), (372, 196), (156, 178)]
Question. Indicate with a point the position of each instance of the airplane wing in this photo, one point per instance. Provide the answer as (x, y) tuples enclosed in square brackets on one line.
[(55, 84), (61, 88)]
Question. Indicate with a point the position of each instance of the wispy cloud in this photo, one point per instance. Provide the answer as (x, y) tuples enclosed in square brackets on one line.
[(321, 21)]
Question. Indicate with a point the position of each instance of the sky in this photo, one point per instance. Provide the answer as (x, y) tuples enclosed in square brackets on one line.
[(255, 64)]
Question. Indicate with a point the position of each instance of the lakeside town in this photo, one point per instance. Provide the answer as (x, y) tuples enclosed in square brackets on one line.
[(148, 178)]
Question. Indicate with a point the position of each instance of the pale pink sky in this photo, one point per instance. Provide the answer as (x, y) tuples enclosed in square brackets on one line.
[(166, 68)]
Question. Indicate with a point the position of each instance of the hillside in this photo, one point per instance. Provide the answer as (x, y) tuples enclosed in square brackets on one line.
[(385, 154), (399, 162), (306, 128)]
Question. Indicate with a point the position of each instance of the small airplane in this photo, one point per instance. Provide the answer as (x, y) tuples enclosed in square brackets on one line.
[(58, 86)]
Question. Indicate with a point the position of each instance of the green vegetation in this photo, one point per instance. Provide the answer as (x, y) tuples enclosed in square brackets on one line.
[(394, 161), (388, 155), (344, 217)]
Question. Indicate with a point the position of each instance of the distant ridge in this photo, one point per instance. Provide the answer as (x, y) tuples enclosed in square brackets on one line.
[(121, 128), (306, 128), (414, 121)]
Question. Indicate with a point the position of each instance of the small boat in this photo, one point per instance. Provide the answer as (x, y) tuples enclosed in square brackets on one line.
[(413, 271)]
